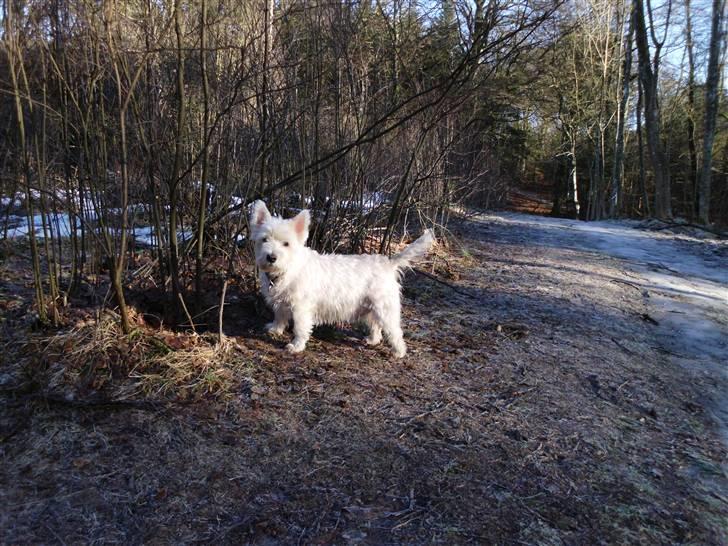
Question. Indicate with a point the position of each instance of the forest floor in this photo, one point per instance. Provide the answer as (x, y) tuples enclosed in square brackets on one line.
[(566, 384)]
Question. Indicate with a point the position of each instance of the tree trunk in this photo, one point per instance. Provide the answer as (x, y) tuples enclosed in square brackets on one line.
[(267, 45), (711, 108), (692, 151), (648, 77), (573, 186), (203, 179), (615, 196), (15, 60), (175, 175), (641, 153), (119, 263)]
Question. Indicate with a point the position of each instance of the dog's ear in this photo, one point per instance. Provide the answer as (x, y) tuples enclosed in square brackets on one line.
[(300, 225), (259, 215)]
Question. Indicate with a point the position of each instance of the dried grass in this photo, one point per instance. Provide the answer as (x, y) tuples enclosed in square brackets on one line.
[(96, 355)]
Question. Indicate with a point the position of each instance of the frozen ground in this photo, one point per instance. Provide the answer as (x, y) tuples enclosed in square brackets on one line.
[(562, 386), (682, 280)]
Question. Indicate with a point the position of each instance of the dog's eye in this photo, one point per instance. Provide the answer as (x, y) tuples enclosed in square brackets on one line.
[(264, 239), (285, 243)]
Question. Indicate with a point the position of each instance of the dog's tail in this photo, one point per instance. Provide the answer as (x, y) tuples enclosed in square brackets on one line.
[(414, 251)]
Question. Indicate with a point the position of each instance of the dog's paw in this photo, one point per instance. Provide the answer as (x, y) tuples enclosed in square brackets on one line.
[(275, 329), (373, 340), (399, 351), (294, 348)]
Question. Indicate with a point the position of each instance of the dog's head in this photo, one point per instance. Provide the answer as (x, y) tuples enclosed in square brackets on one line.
[(278, 242)]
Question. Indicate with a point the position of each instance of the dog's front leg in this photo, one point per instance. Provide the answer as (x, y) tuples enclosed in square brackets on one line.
[(302, 327), (280, 322)]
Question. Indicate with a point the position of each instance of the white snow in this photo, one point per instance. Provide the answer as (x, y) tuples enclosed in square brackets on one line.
[(147, 236), (61, 224), (670, 266), (16, 201), (369, 202), (58, 223), (8, 201)]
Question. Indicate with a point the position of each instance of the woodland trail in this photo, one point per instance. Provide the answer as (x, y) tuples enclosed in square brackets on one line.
[(682, 281)]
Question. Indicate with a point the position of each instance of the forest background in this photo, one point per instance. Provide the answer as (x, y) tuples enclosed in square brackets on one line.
[(151, 125)]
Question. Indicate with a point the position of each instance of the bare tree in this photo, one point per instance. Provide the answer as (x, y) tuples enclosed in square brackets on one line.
[(712, 81), (15, 60), (648, 72), (625, 76), (202, 209), (691, 113), (175, 176)]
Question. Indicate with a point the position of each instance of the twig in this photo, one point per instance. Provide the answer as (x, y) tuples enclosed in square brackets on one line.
[(242, 522), (648, 318), (189, 318), (622, 346), (412, 419), (662, 266), (96, 403), (59, 539), (220, 335), (145, 268), (450, 286), (633, 285)]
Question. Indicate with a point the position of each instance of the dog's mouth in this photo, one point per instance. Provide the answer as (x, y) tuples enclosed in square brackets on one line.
[(267, 267)]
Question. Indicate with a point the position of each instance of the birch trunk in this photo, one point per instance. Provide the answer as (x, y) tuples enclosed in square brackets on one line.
[(615, 197)]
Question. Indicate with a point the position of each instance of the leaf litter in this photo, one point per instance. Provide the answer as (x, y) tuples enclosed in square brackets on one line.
[(533, 407)]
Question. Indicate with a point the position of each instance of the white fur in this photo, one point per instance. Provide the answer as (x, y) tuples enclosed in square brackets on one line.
[(313, 288)]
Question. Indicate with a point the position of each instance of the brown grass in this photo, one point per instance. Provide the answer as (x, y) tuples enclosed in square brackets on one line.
[(95, 356)]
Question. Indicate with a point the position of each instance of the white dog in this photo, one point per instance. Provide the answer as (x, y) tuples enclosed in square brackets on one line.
[(312, 288)]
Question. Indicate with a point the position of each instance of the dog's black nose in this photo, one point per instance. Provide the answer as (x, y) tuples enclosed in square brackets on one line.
[(271, 258)]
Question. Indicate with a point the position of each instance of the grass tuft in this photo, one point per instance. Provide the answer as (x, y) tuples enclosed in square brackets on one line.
[(95, 355)]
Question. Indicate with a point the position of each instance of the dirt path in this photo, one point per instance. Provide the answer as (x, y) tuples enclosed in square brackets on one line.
[(682, 281), (545, 399)]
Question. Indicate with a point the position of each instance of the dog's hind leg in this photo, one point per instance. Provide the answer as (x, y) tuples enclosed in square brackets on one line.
[(375, 330), (280, 322), (388, 316), (302, 327), (393, 331)]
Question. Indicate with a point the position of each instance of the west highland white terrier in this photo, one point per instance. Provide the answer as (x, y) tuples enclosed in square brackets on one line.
[(312, 288)]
